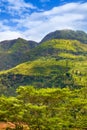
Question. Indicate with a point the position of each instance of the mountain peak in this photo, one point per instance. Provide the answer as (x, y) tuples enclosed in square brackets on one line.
[(66, 34)]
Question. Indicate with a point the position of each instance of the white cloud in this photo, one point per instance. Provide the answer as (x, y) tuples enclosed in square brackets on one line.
[(19, 4), (6, 32), (72, 16), (16, 7), (3, 27), (38, 24), (8, 35)]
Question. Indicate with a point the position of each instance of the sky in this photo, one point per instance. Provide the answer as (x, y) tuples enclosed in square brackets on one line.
[(33, 19)]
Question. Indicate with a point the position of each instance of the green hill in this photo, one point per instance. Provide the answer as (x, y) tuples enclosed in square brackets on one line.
[(53, 83), (66, 34), (55, 63), (12, 52)]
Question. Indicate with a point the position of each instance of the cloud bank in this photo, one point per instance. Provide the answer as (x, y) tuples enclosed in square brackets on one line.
[(36, 25)]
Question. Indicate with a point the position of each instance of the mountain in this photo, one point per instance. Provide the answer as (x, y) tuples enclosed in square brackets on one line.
[(54, 63), (66, 34), (12, 52), (46, 85)]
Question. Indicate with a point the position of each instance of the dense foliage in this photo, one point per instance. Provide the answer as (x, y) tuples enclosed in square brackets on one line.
[(58, 71), (55, 63), (46, 109)]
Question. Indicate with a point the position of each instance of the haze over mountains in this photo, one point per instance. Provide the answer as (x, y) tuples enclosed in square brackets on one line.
[(59, 60)]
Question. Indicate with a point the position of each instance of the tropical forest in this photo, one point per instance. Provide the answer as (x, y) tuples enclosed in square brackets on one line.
[(43, 85)]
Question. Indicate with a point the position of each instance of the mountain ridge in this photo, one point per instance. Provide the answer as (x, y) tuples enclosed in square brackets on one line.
[(16, 51), (46, 85), (12, 52), (66, 34), (52, 63), (55, 63)]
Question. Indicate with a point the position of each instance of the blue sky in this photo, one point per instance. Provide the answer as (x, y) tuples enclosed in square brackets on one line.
[(33, 19)]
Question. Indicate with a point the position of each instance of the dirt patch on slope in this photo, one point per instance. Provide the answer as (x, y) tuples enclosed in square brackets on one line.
[(4, 125)]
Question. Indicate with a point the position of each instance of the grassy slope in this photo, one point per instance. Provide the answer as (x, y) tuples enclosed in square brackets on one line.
[(12, 52), (66, 34), (54, 63)]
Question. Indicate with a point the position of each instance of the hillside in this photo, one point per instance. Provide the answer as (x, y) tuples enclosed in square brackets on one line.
[(48, 90), (66, 34), (55, 63), (12, 52)]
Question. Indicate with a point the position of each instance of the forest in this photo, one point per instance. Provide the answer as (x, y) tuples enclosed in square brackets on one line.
[(46, 109), (43, 86)]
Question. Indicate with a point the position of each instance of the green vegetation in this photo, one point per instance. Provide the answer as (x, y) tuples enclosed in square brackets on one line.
[(66, 34), (55, 63), (13, 52), (46, 109), (57, 69)]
